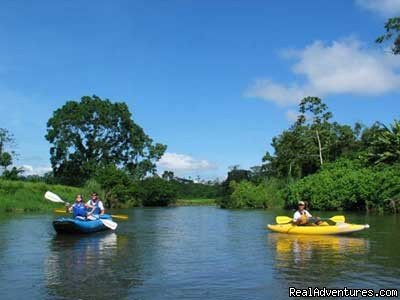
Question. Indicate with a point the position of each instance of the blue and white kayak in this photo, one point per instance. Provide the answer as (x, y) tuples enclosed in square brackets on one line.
[(70, 225)]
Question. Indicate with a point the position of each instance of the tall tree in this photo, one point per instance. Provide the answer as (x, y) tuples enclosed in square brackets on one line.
[(319, 122), (309, 142), (6, 156), (96, 132), (392, 27)]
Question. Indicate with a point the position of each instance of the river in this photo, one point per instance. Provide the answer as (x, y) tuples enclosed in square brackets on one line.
[(191, 253)]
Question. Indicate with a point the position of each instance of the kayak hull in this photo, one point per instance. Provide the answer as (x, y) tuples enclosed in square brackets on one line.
[(76, 226), (339, 228)]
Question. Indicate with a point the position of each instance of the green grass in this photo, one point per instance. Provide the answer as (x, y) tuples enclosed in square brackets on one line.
[(29, 196), (20, 196), (194, 202)]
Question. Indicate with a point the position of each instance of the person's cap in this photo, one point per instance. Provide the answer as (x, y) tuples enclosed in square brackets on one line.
[(301, 203)]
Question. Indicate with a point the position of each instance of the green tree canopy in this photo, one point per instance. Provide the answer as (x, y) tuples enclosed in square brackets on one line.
[(310, 141), (385, 148), (96, 132)]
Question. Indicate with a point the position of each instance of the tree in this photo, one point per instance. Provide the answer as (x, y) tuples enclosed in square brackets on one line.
[(96, 132), (386, 146), (118, 187), (310, 142), (168, 175), (237, 175), (320, 118), (6, 157), (155, 191), (13, 174), (392, 27)]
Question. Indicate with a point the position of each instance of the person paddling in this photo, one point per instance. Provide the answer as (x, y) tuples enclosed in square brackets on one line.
[(96, 205), (78, 209), (303, 217)]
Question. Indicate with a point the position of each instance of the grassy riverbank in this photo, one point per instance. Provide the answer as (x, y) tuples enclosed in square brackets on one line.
[(22, 196)]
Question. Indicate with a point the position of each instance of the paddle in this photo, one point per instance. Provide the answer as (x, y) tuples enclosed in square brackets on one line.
[(336, 219), (108, 223), (122, 217), (55, 198)]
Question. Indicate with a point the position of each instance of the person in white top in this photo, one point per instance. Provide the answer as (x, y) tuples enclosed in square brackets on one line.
[(302, 216), (95, 205)]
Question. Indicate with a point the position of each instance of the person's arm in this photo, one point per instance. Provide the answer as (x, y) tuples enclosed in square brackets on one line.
[(68, 207), (296, 218)]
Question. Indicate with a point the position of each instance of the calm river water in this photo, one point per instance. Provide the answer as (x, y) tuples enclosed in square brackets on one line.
[(191, 253)]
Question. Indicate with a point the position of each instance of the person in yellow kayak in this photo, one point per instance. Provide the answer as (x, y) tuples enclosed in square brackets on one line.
[(303, 217), (78, 209)]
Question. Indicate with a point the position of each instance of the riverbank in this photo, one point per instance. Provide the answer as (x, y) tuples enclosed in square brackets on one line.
[(195, 202), (20, 196)]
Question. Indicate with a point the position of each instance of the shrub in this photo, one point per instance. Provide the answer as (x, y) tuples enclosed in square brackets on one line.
[(155, 191), (251, 195), (346, 185), (119, 188)]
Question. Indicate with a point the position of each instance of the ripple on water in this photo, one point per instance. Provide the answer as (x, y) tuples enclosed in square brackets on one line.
[(189, 253)]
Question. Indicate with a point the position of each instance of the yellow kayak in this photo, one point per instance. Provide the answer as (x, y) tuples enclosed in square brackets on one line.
[(324, 228)]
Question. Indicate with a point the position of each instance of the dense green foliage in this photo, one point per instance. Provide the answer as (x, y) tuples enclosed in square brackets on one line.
[(266, 194), (192, 190), (94, 133), (155, 191), (120, 190), (385, 148), (330, 165), (348, 185), (311, 141)]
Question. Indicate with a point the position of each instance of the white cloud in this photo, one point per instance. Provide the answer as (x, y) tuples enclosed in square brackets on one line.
[(342, 67), (181, 162), (38, 170), (385, 8), (280, 94), (291, 115)]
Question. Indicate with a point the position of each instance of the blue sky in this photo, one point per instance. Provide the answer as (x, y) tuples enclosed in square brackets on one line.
[(214, 80)]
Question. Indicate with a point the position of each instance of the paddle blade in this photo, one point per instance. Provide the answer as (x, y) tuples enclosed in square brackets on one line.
[(283, 220), (338, 219), (122, 217), (110, 224), (53, 197), (60, 211)]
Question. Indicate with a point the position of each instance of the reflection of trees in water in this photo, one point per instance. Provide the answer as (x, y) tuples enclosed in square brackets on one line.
[(91, 267), (316, 260)]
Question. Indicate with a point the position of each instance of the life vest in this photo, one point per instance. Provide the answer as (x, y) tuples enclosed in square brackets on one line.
[(96, 210), (79, 210)]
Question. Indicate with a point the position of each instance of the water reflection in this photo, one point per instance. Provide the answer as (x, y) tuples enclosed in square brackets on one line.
[(316, 259), (90, 267)]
